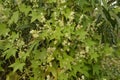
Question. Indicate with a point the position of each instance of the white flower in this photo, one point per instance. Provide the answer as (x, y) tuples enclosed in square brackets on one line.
[(87, 49), (104, 79), (72, 13), (43, 19), (65, 6), (63, 1), (61, 50), (64, 42), (61, 23), (69, 44), (68, 49), (71, 17), (81, 18), (66, 35), (83, 77), (50, 64), (51, 49), (48, 77), (34, 33), (55, 42)]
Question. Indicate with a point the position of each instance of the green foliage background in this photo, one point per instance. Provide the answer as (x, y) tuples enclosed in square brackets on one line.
[(59, 40)]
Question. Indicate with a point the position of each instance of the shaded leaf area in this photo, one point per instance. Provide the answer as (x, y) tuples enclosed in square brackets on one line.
[(59, 39), (111, 68)]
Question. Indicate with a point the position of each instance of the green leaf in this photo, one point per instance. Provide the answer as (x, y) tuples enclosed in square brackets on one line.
[(1, 68), (35, 65), (1, 1), (108, 16), (40, 54), (25, 9), (62, 76), (35, 16), (117, 10), (53, 71), (94, 56), (81, 33), (82, 3), (67, 12), (23, 55), (66, 62), (22, 27), (57, 34), (14, 18), (3, 29), (10, 52), (89, 42), (82, 68), (12, 76), (108, 50), (96, 69), (4, 44), (14, 36), (17, 66), (93, 3)]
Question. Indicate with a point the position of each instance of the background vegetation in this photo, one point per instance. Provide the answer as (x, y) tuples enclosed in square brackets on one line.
[(59, 39)]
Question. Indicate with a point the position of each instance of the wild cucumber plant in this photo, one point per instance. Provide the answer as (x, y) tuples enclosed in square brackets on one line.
[(56, 39)]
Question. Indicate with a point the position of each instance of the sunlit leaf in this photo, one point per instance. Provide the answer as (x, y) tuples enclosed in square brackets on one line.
[(25, 9), (81, 33), (14, 18), (17, 66), (10, 52), (3, 29)]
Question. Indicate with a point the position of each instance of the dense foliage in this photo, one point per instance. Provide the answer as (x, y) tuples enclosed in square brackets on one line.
[(59, 39)]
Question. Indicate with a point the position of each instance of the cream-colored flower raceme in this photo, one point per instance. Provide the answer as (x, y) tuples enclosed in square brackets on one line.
[(50, 58), (82, 54), (63, 1), (87, 49), (42, 17), (67, 35), (83, 77), (55, 42), (34, 33), (61, 23), (61, 50), (68, 49), (69, 43), (79, 26), (71, 17), (64, 42), (51, 49), (72, 13), (48, 77), (81, 18)]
